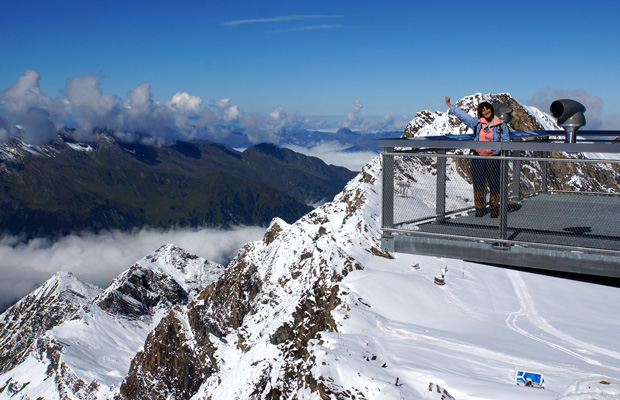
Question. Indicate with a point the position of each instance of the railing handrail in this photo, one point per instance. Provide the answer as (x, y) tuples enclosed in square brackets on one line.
[(528, 145), (508, 157)]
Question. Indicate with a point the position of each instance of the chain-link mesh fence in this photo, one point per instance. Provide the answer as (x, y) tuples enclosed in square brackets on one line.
[(554, 199)]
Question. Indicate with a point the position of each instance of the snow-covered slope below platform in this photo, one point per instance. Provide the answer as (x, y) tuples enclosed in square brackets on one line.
[(471, 335), (398, 334)]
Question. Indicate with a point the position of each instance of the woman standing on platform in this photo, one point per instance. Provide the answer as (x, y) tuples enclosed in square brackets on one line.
[(487, 127)]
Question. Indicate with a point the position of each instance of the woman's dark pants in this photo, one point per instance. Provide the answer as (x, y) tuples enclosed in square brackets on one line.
[(486, 171)]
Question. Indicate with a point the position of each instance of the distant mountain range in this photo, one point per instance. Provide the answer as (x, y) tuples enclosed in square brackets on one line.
[(68, 186), (351, 141)]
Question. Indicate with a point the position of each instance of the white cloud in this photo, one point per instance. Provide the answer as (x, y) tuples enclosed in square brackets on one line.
[(278, 113), (279, 119), (84, 106), (389, 122), (85, 95), (87, 104), (185, 103), (278, 19), (144, 116), (100, 258), (228, 112), (24, 104), (24, 94), (353, 119), (140, 100), (334, 153)]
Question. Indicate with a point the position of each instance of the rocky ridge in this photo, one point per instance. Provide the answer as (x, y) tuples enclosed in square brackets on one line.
[(266, 312), (88, 352), (53, 303)]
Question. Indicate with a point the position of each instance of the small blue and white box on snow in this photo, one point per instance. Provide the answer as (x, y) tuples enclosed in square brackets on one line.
[(527, 378)]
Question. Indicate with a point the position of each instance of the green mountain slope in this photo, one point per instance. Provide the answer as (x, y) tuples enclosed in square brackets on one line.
[(66, 186)]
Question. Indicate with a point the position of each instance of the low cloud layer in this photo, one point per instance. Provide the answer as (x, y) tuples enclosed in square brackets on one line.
[(35, 117), (100, 258), (336, 154)]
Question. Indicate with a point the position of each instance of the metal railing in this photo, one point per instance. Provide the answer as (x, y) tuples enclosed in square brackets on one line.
[(556, 195)]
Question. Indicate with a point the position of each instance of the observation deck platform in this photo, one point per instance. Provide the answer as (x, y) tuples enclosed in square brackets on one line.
[(548, 228)]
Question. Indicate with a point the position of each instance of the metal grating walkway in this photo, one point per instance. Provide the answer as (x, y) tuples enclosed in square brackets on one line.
[(552, 233), (558, 219)]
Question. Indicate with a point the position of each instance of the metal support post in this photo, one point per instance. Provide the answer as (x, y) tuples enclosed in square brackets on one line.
[(387, 217), (503, 201), (440, 206), (544, 166), (516, 177)]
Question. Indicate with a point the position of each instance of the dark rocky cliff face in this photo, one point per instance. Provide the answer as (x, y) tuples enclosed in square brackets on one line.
[(141, 291), (172, 365), (175, 360), (180, 354)]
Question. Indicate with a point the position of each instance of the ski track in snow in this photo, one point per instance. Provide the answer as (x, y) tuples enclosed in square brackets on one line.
[(469, 349), (528, 310)]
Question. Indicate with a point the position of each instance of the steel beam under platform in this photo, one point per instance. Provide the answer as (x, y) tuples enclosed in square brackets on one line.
[(568, 261), (577, 234)]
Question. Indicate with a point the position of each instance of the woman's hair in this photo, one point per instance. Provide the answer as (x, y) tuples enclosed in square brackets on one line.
[(485, 104)]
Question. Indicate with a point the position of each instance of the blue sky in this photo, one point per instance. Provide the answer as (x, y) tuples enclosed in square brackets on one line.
[(322, 58)]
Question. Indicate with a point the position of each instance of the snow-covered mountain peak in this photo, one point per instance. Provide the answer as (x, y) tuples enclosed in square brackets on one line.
[(470, 103), (65, 283), (62, 291), (168, 276), (89, 351), (54, 302), (191, 272), (271, 303)]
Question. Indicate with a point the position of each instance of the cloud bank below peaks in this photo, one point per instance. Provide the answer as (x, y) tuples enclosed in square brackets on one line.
[(98, 258)]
